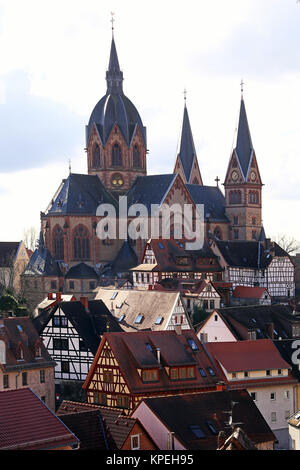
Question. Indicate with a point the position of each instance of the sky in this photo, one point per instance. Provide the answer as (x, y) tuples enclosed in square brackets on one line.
[(54, 55)]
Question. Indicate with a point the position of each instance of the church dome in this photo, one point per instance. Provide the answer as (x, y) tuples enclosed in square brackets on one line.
[(114, 107)]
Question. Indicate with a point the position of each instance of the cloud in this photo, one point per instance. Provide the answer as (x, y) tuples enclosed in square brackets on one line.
[(35, 130)]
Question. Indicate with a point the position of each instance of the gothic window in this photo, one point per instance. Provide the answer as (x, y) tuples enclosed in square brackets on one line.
[(235, 197), (236, 234), (96, 157), (218, 233), (136, 157), (253, 197), (116, 155), (58, 243), (81, 243)]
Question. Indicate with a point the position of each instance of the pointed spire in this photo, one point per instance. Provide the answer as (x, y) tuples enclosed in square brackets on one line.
[(244, 145), (262, 236), (41, 243), (114, 76), (186, 147)]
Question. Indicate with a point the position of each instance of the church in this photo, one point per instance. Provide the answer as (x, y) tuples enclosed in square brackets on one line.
[(70, 257)]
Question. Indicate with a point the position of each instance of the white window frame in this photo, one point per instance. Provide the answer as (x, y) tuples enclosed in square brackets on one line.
[(138, 438)]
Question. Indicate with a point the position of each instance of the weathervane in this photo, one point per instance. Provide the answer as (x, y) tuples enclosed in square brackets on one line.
[(217, 180), (184, 94)]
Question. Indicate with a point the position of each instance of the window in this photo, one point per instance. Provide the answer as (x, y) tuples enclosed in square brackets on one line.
[(211, 427), (81, 243), (192, 344), (53, 285), (60, 344), (197, 431), (268, 372), (108, 376), (272, 396), (138, 318), (246, 374), (253, 197), (24, 378), (65, 367), (253, 234), (253, 221), (58, 243), (42, 376), (116, 155), (63, 321), (123, 401), (286, 394), (287, 414), (96, 157), (273, 417), (235, 197), (211, 304), (150, 375), (100, 398), (121, 318), (6, 381), (182, 373), (202, 372), (233, 375), (235, 220), (211, 371), (135, 442), (253, 396), (114, 296), (71, 285), (158, 320), (236, 234), (216, 317), (92, 285), (56, 320), (136, 157)]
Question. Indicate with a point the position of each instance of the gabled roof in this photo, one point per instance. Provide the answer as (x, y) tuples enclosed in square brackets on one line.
[(213, 200), (181, 414), (90, 324), (42, 263), (81, 271), (88, 426), (131, 352), (149, 190), (80, 194), (20, 331), (8, 251), (246, 292), (236, 356), (27, 423), (125, 259), (127, 304)]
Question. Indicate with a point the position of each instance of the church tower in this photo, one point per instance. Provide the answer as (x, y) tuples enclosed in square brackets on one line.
[(243, 185), (186, 162), (115, 135)]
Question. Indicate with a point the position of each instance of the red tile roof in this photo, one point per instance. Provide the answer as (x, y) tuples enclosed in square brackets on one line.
[(245, 292), (247, 355), (27, 423)]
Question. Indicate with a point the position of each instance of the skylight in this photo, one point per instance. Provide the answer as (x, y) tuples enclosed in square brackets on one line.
[(138, 318), (149, 347), (211, 427), (195, 428), (114, 296), (19, 328), (161, 246), (119, 305), (210, 370), (158, 320), (192, 344), (121, 318), (202, 372)]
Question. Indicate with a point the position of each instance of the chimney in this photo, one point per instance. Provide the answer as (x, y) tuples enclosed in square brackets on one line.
[(221, 386), (150, 287), (177, 328), (50, 296), (158, 355), (85, 302), (221, 439), (58, 296)]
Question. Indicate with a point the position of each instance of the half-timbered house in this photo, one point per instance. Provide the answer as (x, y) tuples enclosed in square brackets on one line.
[(132, 366), (257, 264), (71, 332)]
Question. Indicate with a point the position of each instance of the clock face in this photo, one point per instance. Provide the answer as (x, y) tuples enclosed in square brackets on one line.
[(253, 176), (234, 175), (117, 181)]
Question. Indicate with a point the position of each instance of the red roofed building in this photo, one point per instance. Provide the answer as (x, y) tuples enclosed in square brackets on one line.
[(130, 366), (257, 366), (28, 424), (244, 295)]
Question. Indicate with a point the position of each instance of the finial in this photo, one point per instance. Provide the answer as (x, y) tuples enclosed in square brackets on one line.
[(112, 22), (184, 94), (242, 87)]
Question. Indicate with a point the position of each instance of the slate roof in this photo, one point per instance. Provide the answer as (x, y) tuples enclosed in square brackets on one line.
[(114, 106), (42, 263), (244, 147), (90, 324), (150, 189), (81, 195), (131, 353), (88, 426), (248, 254), (81, 271), (16, 331), (128, 303), (125, 259), (27, 423), (117, 425), (8, 251), (213, 200), (186, 149), (180, 413)]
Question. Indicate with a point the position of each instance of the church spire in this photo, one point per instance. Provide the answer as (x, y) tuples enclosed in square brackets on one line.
[(114, 76), (244, 147), (186, 153)]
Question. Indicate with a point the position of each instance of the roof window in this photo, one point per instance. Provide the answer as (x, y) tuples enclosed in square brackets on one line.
[(138, 318), (158, 320), (195, 428), (114, 296), (192, 344)]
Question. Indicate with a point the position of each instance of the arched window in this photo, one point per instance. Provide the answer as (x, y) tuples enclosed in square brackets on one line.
[(235, 197), (81, 243), (58, 243), (136, 157), (218, 233), (116, 159), (96, 157), (253, 197)]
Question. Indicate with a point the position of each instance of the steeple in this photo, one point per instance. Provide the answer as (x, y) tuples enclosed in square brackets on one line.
[(114, 76), (244, 147), (187, 163)]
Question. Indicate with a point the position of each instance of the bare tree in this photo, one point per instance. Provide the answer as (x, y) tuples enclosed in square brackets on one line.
[(289, 244), (30, 237)]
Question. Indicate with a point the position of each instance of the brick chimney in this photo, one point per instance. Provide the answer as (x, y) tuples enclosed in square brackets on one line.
[(221, 386), (84, 301), (58, 296), (50, 296)]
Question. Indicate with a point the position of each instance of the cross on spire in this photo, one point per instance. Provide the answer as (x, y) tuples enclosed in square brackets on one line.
[(112, 22), (217, 180), (242, 86), (184, 95)]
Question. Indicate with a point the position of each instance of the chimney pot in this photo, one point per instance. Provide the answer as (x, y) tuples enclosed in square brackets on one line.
[(58, 296)]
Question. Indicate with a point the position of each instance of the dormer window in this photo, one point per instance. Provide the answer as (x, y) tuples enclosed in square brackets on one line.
[(150, 375), (20, 354), (182, 373)]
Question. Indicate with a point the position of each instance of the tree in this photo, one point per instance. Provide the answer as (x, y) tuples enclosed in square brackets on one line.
[(288, 244), (30, 238)]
